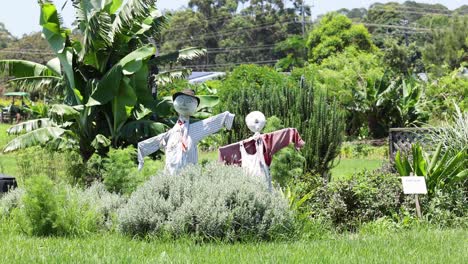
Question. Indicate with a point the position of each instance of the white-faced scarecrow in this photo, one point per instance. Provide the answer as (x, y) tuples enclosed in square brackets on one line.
[(255, 153), (180, 142)]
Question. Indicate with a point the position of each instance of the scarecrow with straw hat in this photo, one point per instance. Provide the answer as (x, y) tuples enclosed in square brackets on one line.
[(180, 142)]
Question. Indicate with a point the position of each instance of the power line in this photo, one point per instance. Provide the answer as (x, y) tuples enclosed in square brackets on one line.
[(184, 26), (415, 12), (242, 49), (228, 33), (223, 65), (396, 26), (413, 8)]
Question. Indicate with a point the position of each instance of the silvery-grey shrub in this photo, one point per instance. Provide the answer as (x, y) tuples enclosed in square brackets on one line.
[(9, 201), (211, 202), (106, 203)]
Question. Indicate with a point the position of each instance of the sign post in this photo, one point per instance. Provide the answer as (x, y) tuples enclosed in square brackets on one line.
[(414, 185)]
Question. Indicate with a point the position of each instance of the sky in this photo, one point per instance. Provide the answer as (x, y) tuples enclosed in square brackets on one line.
[(22, 16)]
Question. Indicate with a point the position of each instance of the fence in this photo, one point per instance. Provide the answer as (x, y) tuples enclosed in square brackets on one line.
[(403, 138)]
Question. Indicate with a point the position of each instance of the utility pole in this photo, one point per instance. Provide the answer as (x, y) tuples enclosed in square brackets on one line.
[(405, 23), (303, 18)]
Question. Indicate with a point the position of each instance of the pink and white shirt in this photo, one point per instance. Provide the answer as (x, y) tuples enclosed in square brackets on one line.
[(180, 142)]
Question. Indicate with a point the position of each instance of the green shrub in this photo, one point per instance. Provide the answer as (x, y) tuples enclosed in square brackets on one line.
[(47, 208), (288, 163), (40, 161), (75, 168), (447, 209), (383, 225), (120, 170), (211, 202), (359, 150), (365, 197), (44, 208)]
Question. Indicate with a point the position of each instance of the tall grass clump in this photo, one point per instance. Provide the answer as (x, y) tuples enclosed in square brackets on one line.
[(214, 202), (454, 133)]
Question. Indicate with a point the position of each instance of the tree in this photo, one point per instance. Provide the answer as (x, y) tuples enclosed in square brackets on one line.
[(448, 48), (334, 33), (233, 35), (401, 58), (293, 52), (5, 36), (355, 14), (104, 77), (391, 18)]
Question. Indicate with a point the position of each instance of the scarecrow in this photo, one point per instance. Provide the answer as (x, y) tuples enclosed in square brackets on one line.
[(255, 153), (180, 142)]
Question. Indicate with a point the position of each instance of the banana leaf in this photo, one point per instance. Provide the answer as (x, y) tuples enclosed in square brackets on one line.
[(34, 138), (29, 126)]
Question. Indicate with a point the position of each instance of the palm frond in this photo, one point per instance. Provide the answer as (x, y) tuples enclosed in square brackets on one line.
[(171, 75), (23, 68), (190, 54), (95, 24), (132, 10), (62, 112), (152, 25), (29, 126), (179, 56), (34, 138), (51, 84)]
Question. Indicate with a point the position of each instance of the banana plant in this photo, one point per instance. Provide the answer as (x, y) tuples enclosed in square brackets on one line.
[(441, 170), (103, 78)]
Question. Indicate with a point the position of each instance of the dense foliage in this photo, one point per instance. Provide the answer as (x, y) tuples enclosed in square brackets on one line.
[(297, 104), (334, 34)]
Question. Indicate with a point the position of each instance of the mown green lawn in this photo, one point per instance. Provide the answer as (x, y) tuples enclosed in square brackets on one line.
[(425, 246), (347, 167)]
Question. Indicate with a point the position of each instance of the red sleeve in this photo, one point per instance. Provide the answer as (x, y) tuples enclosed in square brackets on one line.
[(277, 140), (229, 154)]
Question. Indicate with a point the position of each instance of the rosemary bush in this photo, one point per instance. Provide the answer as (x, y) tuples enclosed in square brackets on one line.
[(319, 120)]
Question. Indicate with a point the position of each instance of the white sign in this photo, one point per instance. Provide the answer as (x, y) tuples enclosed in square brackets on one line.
[(414, 185)]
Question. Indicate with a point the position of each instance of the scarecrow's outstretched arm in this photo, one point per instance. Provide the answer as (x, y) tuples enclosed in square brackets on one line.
[(149, 146), (211, 125)]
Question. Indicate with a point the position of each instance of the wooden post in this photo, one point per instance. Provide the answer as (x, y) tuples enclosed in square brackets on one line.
[(418, 208), (416, 200)]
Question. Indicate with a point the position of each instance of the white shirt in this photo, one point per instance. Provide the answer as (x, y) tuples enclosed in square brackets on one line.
[(171, 141), (255, 164)]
